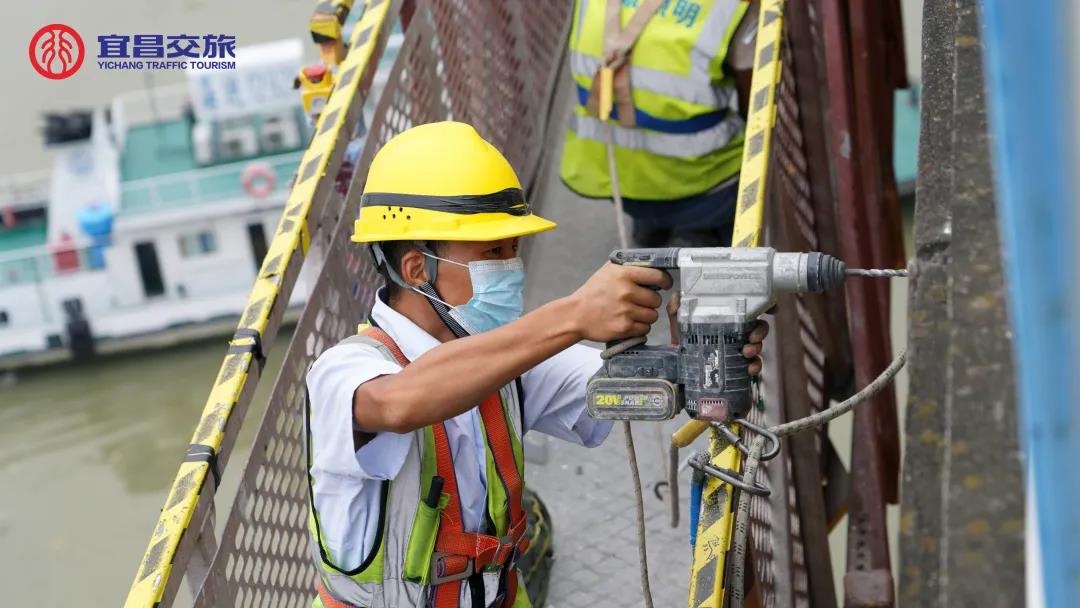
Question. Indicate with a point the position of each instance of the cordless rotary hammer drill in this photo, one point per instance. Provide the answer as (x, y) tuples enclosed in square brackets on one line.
[(722, 292)]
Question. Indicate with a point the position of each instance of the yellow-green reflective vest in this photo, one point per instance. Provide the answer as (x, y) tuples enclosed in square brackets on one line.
[(689, 132), (396, 572)]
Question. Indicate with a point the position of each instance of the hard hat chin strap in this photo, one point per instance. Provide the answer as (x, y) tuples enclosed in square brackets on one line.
[(431, 265), (441, 308)]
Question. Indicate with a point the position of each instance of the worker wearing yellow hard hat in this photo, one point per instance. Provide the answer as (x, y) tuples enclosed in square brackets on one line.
[(454, 185), (415, 457)]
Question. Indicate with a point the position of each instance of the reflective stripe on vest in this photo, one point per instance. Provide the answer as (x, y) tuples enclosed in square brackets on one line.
[(697, 90), (689, 135), (390, 575), (644, 120), (664, 144), (670, 62)]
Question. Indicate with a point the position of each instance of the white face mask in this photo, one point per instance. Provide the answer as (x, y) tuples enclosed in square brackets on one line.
[(498, 296)]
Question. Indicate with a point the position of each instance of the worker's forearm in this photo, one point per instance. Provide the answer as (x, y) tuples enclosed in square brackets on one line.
[(453, 377)]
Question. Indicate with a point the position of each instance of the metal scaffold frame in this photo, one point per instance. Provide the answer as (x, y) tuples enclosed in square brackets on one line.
[(458, 56)]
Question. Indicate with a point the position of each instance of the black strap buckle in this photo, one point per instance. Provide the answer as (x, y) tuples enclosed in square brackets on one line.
[(254, 347), (198, 452)]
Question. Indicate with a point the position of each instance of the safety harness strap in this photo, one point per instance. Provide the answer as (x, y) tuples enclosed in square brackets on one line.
[(380, 336), (459, 554), (498, 436), (618, 41)]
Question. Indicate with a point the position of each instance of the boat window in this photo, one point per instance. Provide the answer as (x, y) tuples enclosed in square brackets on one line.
[(234, 147), (193, 244), (3, 318), (238, 139), (278, 132)]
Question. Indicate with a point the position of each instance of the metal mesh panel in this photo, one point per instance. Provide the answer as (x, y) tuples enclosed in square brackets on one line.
[(464, 60)]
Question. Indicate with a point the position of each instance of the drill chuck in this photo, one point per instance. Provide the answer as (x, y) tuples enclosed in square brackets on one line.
[(823, 272), (812, 272)]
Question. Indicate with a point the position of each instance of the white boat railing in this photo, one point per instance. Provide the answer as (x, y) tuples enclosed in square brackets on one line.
[(38, 263), (199, 186)]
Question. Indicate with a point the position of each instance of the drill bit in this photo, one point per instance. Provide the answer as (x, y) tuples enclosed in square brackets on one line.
[(877, 273)]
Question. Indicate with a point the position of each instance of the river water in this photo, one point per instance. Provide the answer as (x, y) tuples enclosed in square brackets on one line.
[(87, 454)]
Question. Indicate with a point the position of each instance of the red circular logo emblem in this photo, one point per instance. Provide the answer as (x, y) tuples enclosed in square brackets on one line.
[(56, 51)]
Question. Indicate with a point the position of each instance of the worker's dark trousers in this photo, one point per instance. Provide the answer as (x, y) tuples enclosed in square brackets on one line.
[(704, 220)]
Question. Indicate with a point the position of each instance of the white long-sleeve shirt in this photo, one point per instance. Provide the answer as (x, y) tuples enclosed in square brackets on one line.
[(346, 482)]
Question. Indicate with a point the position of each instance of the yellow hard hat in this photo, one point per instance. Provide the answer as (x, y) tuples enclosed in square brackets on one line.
[(443, 182)]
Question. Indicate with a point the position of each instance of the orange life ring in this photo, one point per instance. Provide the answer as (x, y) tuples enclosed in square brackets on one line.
[(258, 180)]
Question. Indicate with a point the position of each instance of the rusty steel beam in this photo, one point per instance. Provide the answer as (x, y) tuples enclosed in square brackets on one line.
[(793, 226), (869, 231), (881, 242), (802, 216)]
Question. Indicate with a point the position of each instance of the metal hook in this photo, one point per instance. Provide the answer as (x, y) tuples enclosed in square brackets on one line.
[(699, 463), (773, 438), (733, 438)]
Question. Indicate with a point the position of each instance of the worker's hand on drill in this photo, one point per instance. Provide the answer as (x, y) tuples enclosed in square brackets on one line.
[(618, 302), (752, 350)]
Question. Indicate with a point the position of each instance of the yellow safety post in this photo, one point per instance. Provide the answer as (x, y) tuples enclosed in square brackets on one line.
[(759, 125)]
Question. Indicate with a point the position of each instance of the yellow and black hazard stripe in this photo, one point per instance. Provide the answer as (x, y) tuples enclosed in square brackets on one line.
[(715, 528), (268, 298), (716, 523), (759, 125)]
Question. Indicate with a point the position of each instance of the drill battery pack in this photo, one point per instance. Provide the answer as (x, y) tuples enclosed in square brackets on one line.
[(632, 398)]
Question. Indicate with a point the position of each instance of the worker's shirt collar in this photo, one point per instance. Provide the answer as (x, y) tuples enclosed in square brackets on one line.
[(410, 338)]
